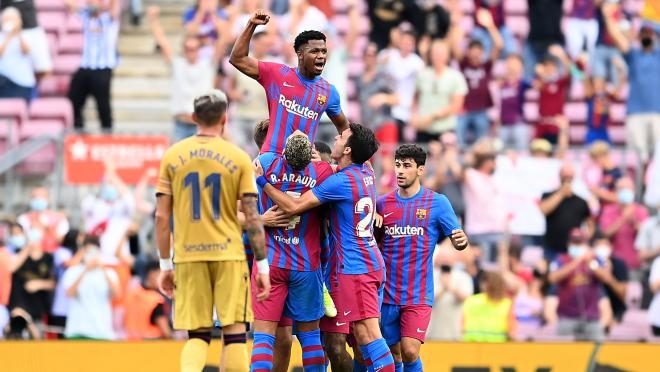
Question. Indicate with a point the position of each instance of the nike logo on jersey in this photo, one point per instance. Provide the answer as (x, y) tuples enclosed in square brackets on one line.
[(340, 324), (347, 312), (287, 85), (388, 214), (420, 331)]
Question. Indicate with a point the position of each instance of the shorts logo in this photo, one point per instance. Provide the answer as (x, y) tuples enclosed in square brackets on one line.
[(321, 99), (421, 214), (420, 330), (340, 324), (347, 312)]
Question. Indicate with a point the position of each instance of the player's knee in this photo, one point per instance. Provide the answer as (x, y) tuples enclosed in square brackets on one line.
[(335, 347), (409, 353), (238, 338), (202, 335), (283, 341)]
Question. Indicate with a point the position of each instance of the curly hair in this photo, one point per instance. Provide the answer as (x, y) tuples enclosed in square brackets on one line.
[(411, 151), (298, 151), (305, 36)]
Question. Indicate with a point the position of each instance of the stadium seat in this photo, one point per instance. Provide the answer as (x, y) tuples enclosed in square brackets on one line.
[(52, 108), (526, 331), (33, 128), (634, 294), (577, 133), (52, 22), (50, 5), (71, 43), (66, 64), (54, 85), (531, 110), (519, 25), (74, 24), (576, 112), (515, 7), (14, 108), (42, 161)]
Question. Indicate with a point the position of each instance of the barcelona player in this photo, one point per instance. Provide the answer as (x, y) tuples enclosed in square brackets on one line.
[(357, 264), (414, 220), (297, 97), (201, 180)]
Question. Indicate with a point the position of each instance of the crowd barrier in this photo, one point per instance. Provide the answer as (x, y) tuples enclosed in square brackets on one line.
[(163, 356)]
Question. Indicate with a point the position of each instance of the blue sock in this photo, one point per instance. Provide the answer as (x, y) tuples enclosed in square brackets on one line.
[(262, 352), (380, 356), (367, 360), (415, 366), (357, 367), (312, 351), (398, 366)]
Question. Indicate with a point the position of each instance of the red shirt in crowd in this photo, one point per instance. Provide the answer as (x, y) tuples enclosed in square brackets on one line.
[(478, 77)]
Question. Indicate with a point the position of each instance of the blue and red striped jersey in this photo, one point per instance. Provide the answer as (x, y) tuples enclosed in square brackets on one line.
[(298, 246), (294, 103), (352, 192), (412, 228)]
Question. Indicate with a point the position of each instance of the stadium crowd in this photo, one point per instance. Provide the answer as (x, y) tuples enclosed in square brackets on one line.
[(564, 230)]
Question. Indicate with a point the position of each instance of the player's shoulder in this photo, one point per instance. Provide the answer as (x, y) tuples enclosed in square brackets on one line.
[(266, 159), (233, 150), (275, 67), (387, 197), (178, 147)]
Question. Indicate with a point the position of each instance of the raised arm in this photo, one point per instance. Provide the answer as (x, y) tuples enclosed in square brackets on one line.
[(620, 39), (290, 205), (353, 26), (153, 13), (239, 56), (485, 19)]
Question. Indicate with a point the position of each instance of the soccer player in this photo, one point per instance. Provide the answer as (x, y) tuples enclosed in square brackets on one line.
[(357, 263), (297, 97), (415, 219), (201, 180)]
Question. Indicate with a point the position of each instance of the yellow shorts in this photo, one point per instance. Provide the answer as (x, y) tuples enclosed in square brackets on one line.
[(200, 285)]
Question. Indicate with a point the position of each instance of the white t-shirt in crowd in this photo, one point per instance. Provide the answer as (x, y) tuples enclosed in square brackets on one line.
[(115, 218), (485, 210), (654, 309), (447, 310), (189, 81), (61, 300), (313, 19), (90, 312), (404, 72), (15, 65)]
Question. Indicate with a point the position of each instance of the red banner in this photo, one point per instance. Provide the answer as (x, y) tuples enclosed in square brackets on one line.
[(85, 157)]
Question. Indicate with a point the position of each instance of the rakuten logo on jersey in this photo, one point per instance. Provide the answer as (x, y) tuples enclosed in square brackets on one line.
[(297, 109), (397, 231)]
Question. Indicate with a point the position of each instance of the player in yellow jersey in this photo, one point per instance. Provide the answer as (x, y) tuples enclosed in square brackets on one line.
[(201, 180)]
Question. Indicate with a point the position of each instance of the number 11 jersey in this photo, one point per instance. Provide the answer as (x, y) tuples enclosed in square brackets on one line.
[(206, 176), (352, 192)]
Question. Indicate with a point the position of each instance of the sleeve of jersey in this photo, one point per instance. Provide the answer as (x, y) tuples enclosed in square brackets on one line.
[(164, 185), (334, 188), (266, 71), (324, 171), (446, 216), (380, 204), (247, 183), (334, 102)]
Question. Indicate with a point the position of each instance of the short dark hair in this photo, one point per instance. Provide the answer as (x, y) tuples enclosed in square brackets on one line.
[(210, 108), (305, 36), (411, 151), (322, 148), (152, 265), (475, 43), (260, 132), (91, 240), (362, 142)]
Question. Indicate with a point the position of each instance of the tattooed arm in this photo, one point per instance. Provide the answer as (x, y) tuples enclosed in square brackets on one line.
[(255, 232)]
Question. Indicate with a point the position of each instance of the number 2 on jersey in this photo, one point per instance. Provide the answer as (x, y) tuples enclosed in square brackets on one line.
[(213, 181), (363, 228)]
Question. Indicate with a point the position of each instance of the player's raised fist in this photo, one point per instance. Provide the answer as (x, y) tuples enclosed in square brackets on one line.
[(260, 17)]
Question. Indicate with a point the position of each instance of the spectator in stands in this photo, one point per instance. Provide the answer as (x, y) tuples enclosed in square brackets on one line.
[(448, 173), (207, 21), (375, 91), (191, 74), (579, 277), (17, 78), (482, 32), (452, 286), (553, 80), (512, 129), (384, 16), (64, 257), (616, 275), (654, 309), (53, 224), (16, 239), (604, 63), (599, 151), (488, 316), (544, 30), (430, 19), (9, 263), (477, 67), (599, 101), (403, 65), (620, 222), (90, 287), (301, 16), (31, 285), (643, 108), (564, 211), (99, 58), (147, 315), (33, 35), (581, 28), (239, 16), (440, 93), (485, 212), (647, 241)]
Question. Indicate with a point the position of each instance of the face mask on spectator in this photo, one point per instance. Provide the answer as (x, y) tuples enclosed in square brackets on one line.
[(38, 204), (91, 254), (625, 196), (459, 266), (93, 10), (576, 251), (109, 193), (603, 251), (647, 42), (17, 241), (35, 235), (8, 26), (445, 268)]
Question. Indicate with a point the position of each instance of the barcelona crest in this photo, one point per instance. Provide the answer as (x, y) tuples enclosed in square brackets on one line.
[(321, 99), (421, 214)]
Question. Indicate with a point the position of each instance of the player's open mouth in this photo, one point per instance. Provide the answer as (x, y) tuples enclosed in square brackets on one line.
[(319, 64)]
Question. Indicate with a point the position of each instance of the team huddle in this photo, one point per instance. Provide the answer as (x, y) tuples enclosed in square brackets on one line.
[(333, 263)]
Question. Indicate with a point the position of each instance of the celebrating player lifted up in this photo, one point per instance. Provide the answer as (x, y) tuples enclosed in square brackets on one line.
[(297, 97), (415, 219)]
